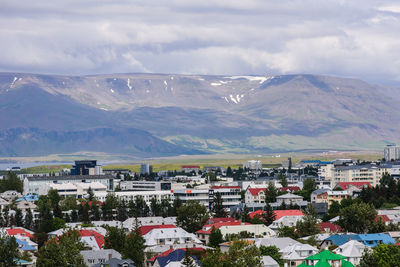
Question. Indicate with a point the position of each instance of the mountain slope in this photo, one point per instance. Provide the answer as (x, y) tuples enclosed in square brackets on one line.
[(207, 113)]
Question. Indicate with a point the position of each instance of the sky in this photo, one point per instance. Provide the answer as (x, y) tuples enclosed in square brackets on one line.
[(349, 38)]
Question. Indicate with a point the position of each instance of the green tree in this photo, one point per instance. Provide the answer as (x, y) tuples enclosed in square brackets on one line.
[(28, 220), (240, 254), (188, 260), (122, 212), (218, 207), (309, 223), (155, 207), (109, 205), (309, 186), (268, 215), (91, 196), (229, 172), (216, 238), (62, 251), (244, 216), (134, 247), (11, 182), (176, 205), (286, 231), (8, 251), (273, 252), (357, 218), (271, 192), (115, 238), (192, 216), (334, 209), (382, 256), (18, 218), (68, 203), (282, 179)]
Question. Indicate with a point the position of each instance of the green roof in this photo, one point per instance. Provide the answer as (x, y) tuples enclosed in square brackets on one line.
[(304, 265), (322, 263), (326, 255), (347, 264)]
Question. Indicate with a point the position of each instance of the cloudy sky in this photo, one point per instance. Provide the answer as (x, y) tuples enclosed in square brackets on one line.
[(356, 38)]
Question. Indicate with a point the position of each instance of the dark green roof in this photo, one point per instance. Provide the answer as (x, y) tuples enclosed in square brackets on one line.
[(322, 263), (326, 255)]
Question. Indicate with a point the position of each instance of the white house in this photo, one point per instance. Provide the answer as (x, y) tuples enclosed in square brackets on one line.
[(169, 236), (353, 250)]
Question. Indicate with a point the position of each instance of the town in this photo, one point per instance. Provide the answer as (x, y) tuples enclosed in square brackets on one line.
[(343, 212)]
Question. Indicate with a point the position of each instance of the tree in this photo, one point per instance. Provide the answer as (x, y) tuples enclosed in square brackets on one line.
[(334, 209), (357, 218), (268, 215), (109, 206), (218, 208), (28, 220), (62, 251), (155, 207), (244, 216), (68, 203), (309, 186), (216, 238), (309, 223), (229, 172), (382, 256), (240, 254), (134, 246), (283, 180), (90, 194), (286, 231), (188, 260), (115, 238), (273, 252), (270, 193), (122, 213), (192, 216), (176, 205), (8, 251), (11, 182), (18, 217)]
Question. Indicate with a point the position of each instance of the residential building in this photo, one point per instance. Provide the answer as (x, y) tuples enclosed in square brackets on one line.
[(169, 236), (230, 195), (96, 187), (295, 254), (131, 195), (255, 195), (63, 189), (371, 240), (93, 257), (289, 199), (268, 261), (116, 263), (3, 204), (289, 221), (190, 168), (144, 185), (199, 195), (172, 258), (325, 171), (254, 165), (353, 250), (130, 223), (10, 195), (328, 196), (146, 168), (279, 242), (359, 173), (391, 152), (326, 258), (24, 206), (32, 184)]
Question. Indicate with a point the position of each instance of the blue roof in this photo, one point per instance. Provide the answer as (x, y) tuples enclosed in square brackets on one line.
[(23, 245), (30, 198), (174, 256), (371, 240)]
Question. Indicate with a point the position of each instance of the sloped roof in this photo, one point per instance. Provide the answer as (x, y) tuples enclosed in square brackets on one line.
[(290, 189), (19, 231), (322, 263), (353, 248), (23, 245), (147, 228), (278, 213), (208, 227), (326, 255), (333, 228), (289, 196), (218, 220), (90, 233), (256, 191), (359, 185), (174, 256)]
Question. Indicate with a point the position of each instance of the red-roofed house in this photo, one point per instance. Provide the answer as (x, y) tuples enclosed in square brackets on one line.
[(383, 218), (328, 227), (205, 232), (219, 220), (255, 195), (88, 236), (278, 213), (290, 189), (359, 185), (19, 231), (147, 228), (151, 261)]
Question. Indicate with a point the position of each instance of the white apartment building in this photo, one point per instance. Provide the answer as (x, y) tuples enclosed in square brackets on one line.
[(77, 190), (359, 173), (253, 165), (144, 185), (392, 152), (199, 195), (131, 195), (325, 171)]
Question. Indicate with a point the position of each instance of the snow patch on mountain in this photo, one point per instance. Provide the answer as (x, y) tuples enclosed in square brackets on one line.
[(112, 91), (262, 79), (216, 84), (128, 83)]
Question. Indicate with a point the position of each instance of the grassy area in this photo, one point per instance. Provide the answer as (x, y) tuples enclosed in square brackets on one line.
[(46, 168)]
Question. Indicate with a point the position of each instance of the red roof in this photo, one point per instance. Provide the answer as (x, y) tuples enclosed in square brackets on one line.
[(218, 220), (225, 187), (147, 228), (329, 227), (217, 226), (359, 185), (384, 218), (290, 189), (190, 167), (255, 191), (18, 231), (278, 213), (169, 251), (99, 238)]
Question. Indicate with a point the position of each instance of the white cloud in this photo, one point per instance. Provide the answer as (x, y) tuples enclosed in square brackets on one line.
[(351, 38)]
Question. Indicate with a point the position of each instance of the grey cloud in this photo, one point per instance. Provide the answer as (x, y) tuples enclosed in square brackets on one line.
[(356, 38)]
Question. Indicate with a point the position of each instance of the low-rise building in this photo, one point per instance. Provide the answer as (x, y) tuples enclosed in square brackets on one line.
[(169, 236), (371, 240), (145, 185), (359, 173), (295, 254), (353, 250), (131, 195), (93, 257), (255, 195)]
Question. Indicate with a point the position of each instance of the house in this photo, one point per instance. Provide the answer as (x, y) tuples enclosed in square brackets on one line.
[(353, 250), (371, 240), (289, 221), (328, 196), (204, 233), (93, 257), (169, 236), (130, 223), (172, 258), (29, 197), (289, 199), (147, 228), (190, 168), (268, 261), (116, 263), (279, 242), (255, 195), (278, 213), (326, 258), (24, 206), (15, 231), (92, 239), (328, 227), (3, 203), (289, 189), (10, 195), (295, 254)]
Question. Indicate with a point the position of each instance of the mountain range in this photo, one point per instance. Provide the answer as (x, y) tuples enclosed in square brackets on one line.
[(163, 115)]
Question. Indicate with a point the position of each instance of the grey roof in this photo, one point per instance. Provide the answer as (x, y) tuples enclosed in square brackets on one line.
[(320, 191), (100, 254), (289, 196), (269, 261), (358, 167), (69, 177), (115, 263), (279, 242)]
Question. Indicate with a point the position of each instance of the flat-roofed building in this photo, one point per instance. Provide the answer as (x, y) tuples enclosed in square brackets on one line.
[(359, 173), (131, 195)]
